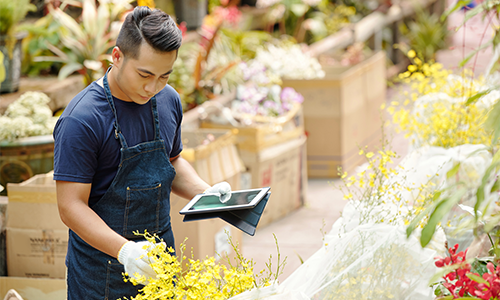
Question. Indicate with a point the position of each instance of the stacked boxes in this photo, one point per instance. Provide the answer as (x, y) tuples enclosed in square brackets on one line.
[(273, 152), (342, 113), (213, 154), (37, 239)]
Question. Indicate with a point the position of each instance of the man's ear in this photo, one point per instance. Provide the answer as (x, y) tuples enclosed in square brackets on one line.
[(117, 56)]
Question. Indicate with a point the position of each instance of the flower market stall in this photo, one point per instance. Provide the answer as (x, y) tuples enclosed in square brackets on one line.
[(306, 83)]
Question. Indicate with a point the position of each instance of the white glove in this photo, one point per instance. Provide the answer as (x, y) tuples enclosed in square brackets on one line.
[(134, 257), (221, 188)]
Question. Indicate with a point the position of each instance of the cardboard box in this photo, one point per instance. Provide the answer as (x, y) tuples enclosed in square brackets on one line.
[(36, 252), (342, 114), (265, 132), (3, 220), (216, 160), (282, 168), (33, 204), (205, 237), (34, 288), (36, 238)]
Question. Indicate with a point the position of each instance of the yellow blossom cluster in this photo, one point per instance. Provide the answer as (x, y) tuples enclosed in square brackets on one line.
[(435, 111), (380, 195), (179, 277)]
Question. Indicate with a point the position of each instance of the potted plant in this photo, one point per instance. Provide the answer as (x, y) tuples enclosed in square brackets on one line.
[(11, 13), (26, 142), (90, 41)]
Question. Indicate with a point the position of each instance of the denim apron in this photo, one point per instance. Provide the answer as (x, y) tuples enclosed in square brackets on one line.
[(138, 199)]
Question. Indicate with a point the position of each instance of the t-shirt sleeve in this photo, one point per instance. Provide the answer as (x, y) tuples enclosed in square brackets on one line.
[(75, 151), (177, 143)]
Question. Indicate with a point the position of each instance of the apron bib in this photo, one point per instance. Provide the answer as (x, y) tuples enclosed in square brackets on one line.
[(138, 199)]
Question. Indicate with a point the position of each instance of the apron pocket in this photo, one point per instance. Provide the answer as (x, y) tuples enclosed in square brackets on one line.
[(142, 210)]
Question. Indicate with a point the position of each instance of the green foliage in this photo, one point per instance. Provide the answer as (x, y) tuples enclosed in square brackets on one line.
[(42, 33), (308, 23), (426, 34), (13, 12), (215, 67), (89, 42)]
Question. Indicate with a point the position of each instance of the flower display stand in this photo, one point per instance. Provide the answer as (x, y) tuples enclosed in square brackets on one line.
[(214, 156), (342, 114)]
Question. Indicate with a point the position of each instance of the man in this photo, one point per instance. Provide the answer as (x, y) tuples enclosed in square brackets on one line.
[(117, 158)]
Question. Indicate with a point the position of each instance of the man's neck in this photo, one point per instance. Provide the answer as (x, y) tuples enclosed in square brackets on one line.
[(114, 87)]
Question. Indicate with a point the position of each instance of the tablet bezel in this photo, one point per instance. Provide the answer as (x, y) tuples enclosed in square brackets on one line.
[(262, 193)]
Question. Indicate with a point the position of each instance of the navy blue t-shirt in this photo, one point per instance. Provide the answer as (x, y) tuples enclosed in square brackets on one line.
[(86, 149)]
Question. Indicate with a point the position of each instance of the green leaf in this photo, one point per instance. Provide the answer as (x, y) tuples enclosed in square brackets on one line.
[(492, 223), (466, 60), (442, 208), (68, 70), (443, 271), (413, 224), (495, 187), (493, 121), (68, 22), (89, 17), (453, 171), (48, 58), (477, 278), (473, 98), (484, 181), (454, 8)]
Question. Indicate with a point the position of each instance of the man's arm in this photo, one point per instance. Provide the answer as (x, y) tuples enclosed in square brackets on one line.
[(72, 200), (187, 182)]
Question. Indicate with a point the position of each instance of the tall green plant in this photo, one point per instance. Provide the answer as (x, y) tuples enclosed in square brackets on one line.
[(90, 41), (426, 34), (11, 13)]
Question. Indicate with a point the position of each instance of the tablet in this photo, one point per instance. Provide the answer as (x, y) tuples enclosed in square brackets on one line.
[(241, 199)]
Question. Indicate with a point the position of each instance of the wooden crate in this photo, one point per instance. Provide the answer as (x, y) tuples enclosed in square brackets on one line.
[(341, 114)]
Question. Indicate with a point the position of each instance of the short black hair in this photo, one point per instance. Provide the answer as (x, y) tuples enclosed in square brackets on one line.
[(153, 26)]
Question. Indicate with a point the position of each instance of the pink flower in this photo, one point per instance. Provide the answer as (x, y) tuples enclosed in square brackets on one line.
[(231, 14)]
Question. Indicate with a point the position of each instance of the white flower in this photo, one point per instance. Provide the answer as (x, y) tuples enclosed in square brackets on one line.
[(289, 62), (266, 3), (29, 115)]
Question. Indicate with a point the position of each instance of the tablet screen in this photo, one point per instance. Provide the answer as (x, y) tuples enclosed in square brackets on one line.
[(213, 201)]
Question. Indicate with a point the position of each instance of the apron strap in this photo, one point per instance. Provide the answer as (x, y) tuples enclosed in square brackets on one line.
[(156, 120), (109, 97)]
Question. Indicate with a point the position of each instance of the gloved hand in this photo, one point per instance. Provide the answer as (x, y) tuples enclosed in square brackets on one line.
[(134, 257), (222, 188)]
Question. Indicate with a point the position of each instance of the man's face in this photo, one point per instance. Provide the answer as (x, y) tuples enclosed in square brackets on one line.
[(137, 80)]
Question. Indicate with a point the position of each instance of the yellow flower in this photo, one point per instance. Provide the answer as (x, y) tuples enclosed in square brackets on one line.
[(369, 154), (411, 54), (412, 68), (348, 196)]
